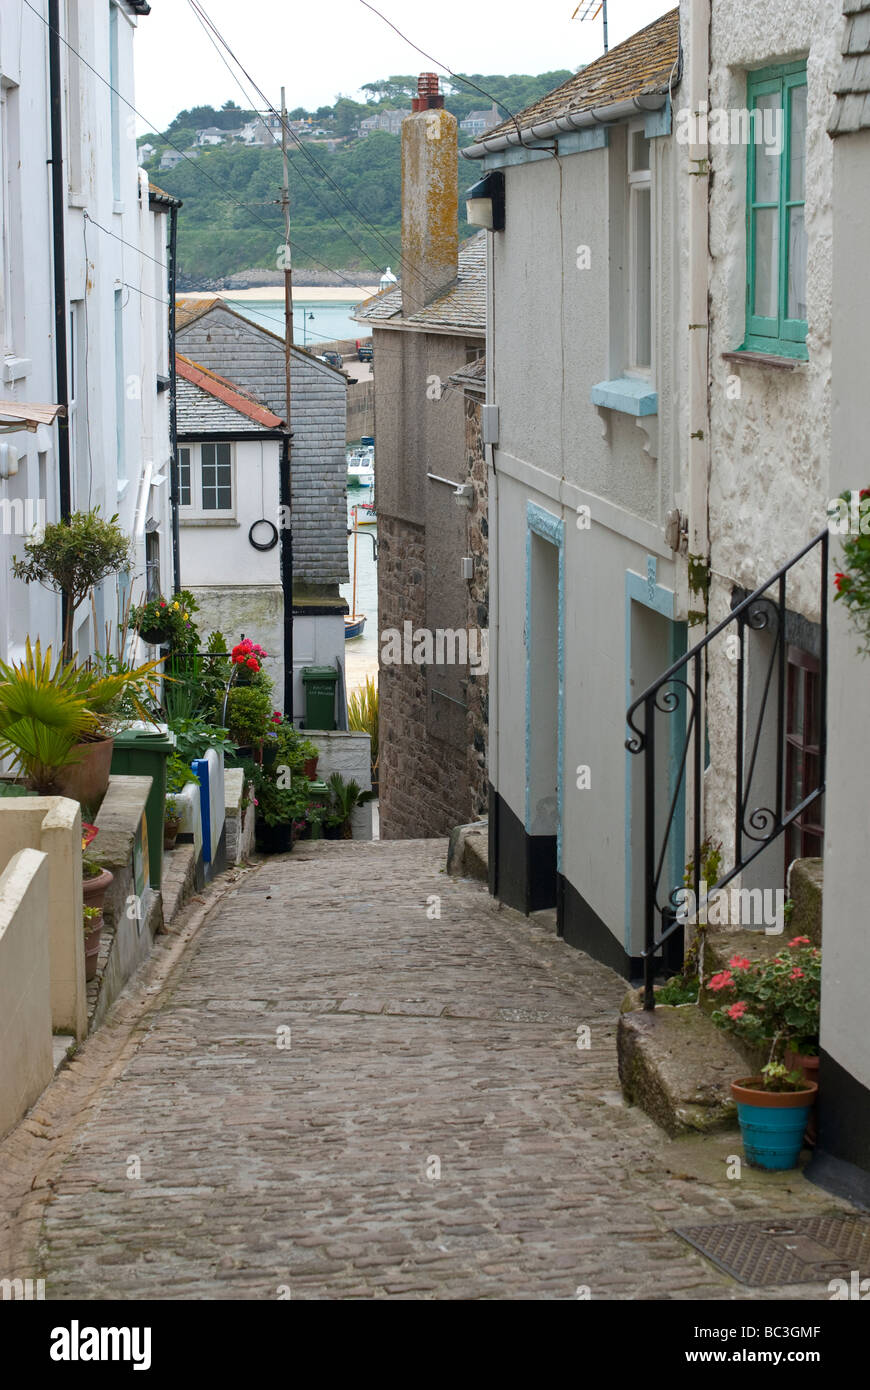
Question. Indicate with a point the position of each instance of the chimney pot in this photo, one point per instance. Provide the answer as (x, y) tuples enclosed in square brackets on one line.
[(428, 96)]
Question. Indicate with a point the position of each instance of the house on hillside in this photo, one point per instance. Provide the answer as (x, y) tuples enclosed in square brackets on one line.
[(229, 460), (390, 121), (226, 343), (477, 122), (430, 492), (95, 343), (211, 135)]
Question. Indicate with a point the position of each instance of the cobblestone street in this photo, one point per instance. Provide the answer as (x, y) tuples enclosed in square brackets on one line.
[(431, 1131)]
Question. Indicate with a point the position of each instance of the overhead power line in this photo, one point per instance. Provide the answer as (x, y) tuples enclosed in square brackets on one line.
[(194, 163)]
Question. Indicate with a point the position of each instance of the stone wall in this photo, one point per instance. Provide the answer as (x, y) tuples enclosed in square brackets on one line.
[(424, 784)]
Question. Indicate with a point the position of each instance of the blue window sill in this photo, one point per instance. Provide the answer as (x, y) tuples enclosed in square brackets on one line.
[(627, 394)]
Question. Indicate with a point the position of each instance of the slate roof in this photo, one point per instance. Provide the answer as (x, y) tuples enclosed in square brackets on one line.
[(190, 309), (645, 63), (207, 403), (250, 360), (462, 306), (471, 377), (852, 90)]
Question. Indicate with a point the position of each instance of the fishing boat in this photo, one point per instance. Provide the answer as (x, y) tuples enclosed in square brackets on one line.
[(369, 516), (354, 623), (361, 466)]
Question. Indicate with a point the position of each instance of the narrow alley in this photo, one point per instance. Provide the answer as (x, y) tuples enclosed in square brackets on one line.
[(335, 1092)]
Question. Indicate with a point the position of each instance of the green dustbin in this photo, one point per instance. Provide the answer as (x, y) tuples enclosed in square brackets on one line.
[(319, 682), (143, 753)]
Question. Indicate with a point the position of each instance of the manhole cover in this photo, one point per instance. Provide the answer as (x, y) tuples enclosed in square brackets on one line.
[(812, 1250)]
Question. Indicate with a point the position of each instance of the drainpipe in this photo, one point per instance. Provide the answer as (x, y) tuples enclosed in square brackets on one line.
[(287, 573), (699, 254), (58, 213), (173, 421)]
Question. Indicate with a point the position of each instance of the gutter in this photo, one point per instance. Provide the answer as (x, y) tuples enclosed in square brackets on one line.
[(571, 120), (174, 486)]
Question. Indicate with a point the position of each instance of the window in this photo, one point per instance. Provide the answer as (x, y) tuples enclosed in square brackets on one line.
[(115, 118), (205, 479), (152, 565), (639, 250), (804, 837), (776, 247), (73, 100)]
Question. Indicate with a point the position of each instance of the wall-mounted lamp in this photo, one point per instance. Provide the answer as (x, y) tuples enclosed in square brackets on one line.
[(484, 206)]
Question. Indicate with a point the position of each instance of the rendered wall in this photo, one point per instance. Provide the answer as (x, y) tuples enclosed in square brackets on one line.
[(25, 990)]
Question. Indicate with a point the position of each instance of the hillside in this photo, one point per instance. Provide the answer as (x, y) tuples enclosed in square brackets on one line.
[(231, 219)]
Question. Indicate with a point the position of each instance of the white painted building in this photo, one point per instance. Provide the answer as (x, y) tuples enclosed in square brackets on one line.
[(229, 448), (587, 441), (108, 312)]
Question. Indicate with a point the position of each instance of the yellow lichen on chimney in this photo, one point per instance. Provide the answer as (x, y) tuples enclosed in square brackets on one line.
[(430, 205)]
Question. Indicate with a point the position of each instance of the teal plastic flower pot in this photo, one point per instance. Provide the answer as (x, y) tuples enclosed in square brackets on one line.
[(772, 1123)]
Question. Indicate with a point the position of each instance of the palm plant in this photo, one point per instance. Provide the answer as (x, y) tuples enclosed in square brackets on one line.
[(46, 710), (344, 796), (362, 716)]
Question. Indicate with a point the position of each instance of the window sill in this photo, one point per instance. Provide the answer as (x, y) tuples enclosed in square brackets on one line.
[(207, 520), (628, 394), (16, 368), (764, 359)]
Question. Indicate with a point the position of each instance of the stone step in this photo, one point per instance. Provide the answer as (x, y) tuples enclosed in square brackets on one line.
[(678, 1067)]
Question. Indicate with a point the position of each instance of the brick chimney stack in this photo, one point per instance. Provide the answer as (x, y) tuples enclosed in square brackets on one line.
[(430, 226)]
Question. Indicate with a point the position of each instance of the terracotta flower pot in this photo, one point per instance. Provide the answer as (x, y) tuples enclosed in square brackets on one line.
[(87, 779), (309, 768), (94, 889), (170, 832), (799, 1061), (93, 936)]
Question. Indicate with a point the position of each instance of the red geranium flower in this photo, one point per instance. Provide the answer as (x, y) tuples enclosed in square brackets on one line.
[(253, 663), (737, 1010), (796, 974), (721, 981), (740, 962), (799, 941)]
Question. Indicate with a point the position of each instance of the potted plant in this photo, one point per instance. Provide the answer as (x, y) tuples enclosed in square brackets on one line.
[(344, 797), (774, 1005), (248, 716), (72, 557), (168, 622), (93, 927), (171, 823), (51, 716), (95, 883)]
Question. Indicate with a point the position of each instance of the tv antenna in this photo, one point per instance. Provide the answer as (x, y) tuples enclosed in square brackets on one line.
[(591, 10)]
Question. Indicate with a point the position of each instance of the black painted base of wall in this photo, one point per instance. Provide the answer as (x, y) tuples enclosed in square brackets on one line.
[(523, 875), (581, 926), (522, 867), (841, 1162)]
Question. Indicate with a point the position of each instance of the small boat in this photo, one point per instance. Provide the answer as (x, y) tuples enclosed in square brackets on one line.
[(354, 623), (361, 467), (369, 517)]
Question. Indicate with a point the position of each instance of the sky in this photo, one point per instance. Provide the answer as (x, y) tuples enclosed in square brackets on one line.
[(319, 49)]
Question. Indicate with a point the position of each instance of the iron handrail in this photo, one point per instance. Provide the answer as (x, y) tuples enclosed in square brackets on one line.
[(682, 687)]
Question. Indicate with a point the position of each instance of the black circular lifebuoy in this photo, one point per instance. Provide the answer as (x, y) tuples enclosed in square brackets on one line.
[(264, 545)]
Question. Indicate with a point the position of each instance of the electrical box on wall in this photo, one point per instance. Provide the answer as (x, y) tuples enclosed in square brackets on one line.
[(467, 567), (489, 423)]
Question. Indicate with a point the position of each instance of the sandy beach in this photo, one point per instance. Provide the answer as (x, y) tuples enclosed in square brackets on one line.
[(347, 294)]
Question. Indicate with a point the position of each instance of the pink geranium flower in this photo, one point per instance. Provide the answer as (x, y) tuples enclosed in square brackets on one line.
[(740, 962), (800, 941), (737, 1010), (721, 981), (796, 974)]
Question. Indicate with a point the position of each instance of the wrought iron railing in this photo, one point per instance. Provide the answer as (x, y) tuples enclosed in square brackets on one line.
[(680, 695)]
